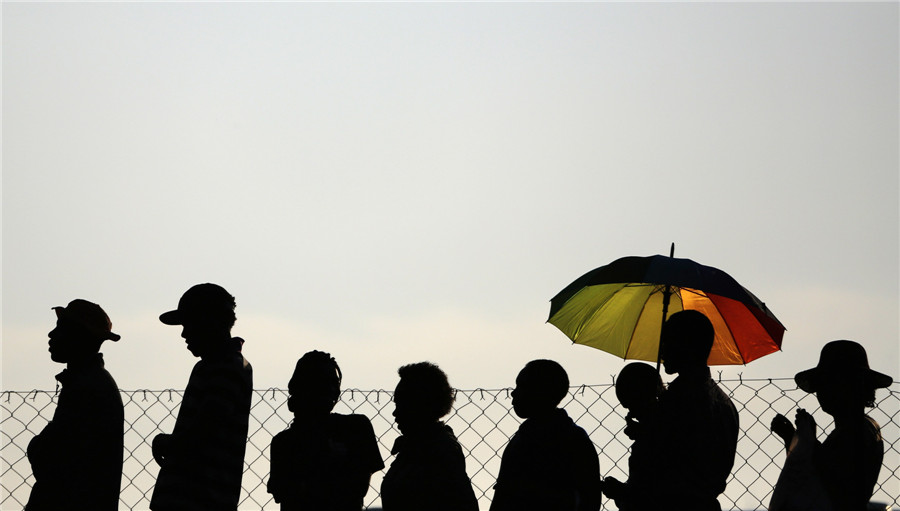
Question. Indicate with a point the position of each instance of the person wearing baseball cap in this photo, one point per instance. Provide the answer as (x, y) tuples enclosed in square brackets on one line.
[(202, 460), (842, 471), (77, 458)]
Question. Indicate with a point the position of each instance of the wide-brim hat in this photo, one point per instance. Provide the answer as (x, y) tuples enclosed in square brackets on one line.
[(90, 316), (199, 302), (842, 361)]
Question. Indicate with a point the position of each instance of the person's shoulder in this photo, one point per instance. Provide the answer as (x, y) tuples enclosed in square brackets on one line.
[(355, 420), (720, 395), (446, 446), (578, 432), (579, 437), (872, 428), (282, 436), (349, 422), (444, 437)]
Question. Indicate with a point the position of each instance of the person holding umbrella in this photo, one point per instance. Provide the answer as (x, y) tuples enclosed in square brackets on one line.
[(841, 472), (697, 427)]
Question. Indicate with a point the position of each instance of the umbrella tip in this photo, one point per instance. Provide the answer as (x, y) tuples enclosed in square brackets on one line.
[(672, 250)]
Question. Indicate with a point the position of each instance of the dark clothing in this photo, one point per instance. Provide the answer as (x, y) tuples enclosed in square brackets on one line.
[(77, 458), (643, 471), (205, 459), (848, 463), (428, 474), (549, 464), (326, 466), (696, 438)]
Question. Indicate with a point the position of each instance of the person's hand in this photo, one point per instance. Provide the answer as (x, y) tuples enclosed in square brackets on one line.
[(633, 428), (160, 447), (782, 427), (612, 488), (806, 425)]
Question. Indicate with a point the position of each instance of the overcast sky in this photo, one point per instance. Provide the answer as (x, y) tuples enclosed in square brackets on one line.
[(395, 182)]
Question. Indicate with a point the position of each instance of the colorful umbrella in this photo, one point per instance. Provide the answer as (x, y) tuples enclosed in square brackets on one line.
[(619, 308)]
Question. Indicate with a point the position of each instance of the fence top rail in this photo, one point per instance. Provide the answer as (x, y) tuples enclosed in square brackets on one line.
[(465, 391)]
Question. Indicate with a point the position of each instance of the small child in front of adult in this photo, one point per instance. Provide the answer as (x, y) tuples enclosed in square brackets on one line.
[(638, 388), (324, 460)]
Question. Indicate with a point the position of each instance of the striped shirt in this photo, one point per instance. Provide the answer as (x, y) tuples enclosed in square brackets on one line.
[(205, 460)]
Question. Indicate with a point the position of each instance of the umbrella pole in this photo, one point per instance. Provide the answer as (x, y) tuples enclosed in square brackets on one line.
[(666, 295)]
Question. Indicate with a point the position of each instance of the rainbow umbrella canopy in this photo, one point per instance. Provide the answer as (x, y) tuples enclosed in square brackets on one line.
[(620, 308)]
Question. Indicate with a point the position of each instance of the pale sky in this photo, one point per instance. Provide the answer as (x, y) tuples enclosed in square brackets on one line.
[(396, 182)]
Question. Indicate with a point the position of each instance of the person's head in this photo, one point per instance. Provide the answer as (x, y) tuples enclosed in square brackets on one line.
[(638, 386), (206, 314), (315, 385), (540, 387), (842, 380), (686, 340), (422, 396), (81, 327)]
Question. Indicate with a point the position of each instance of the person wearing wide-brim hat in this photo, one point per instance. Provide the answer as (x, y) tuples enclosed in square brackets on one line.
[(846, 465), (77, 458)]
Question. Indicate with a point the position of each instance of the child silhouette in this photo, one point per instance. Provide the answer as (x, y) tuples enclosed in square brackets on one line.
[(638, 388)]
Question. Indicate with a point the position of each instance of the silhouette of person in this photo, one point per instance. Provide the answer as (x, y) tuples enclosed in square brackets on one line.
[(550, 462), (429, 471), (840, 473), (638, 389), (202, 461), (77, 458), (324, 460), (696, 433)]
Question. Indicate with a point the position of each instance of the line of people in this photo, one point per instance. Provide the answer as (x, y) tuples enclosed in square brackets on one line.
[(684, 435)]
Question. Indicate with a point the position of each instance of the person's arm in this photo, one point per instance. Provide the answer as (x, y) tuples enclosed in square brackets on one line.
[(41, 449), (588, 483), (452, 488), (279, 458), (369, 460)]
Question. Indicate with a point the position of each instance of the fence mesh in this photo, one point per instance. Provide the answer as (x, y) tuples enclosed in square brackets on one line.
[(482, 419)]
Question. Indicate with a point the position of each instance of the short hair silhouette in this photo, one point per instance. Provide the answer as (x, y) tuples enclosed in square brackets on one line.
[(691, 333), (428, 390), (550, 379), (638, 383)]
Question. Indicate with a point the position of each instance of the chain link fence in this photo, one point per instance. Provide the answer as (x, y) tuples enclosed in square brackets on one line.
[(482, 419)]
